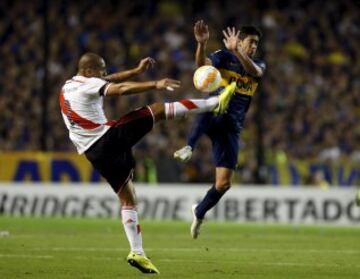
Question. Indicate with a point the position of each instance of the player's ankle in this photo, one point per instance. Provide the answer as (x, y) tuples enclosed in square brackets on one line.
[(138, 252)]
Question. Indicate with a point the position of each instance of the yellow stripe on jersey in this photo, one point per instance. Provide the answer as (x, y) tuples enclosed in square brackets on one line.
[(244, 84)]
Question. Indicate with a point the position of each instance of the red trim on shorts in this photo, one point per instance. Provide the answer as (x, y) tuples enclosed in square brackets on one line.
[(152, 114), (74, 117), (188, 104), (111, 123), (132, 116), (130, 176)]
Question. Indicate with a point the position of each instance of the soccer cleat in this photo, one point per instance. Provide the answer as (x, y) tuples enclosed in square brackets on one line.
[(184, 154), (196, 223), (224, 98), (142, 263)]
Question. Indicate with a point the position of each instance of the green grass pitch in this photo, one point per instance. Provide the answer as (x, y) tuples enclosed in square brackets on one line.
[(97, 248)]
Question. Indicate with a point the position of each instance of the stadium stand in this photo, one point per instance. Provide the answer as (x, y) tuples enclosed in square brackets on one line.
[(311, 100)]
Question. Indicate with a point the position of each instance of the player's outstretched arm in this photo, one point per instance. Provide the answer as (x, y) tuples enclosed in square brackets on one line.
[(144, 65), (231, 39), (202, 34), (127, 88)]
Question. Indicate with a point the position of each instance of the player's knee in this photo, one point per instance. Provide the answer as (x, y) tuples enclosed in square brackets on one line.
[(158, 111), (223, 185), (127, 197)]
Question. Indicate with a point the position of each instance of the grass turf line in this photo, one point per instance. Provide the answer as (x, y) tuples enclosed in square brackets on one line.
[(97, 248)]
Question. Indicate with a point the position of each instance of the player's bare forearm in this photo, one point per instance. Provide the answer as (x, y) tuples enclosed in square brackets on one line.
[(144, 65), (200, 55), (123, 75), (248, 64), (129, 87)]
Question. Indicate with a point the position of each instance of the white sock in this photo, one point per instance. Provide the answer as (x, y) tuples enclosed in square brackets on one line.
[(132, 229), (190, 106)]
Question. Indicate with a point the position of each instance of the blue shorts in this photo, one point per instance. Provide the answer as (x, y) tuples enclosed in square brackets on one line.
[(224, 138), (225, 144), (223, 130)]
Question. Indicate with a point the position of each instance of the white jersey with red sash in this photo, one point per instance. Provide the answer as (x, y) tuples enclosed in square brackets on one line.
[(81, 103)]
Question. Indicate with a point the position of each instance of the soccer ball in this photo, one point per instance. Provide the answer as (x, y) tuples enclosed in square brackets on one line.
[(207, 78)]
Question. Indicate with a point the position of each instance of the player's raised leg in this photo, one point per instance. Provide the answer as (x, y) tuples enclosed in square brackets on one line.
[(184, 154), (184, 107), (129, 215)]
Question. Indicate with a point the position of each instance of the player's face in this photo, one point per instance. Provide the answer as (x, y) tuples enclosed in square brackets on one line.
[(249, 44), (98, 70)]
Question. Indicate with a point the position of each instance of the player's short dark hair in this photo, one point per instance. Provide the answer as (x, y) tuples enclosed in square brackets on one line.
[(247, 30)]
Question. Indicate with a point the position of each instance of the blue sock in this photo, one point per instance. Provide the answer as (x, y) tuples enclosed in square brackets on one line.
[(209, 201)]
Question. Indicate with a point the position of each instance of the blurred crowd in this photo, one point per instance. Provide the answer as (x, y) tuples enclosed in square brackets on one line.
[(309, 97)]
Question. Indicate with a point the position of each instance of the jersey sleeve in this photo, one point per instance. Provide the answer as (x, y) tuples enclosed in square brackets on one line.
[(96, 86), (216, 58)]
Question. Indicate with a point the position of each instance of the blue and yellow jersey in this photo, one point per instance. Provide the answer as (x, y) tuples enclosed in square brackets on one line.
[(231, 69)]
